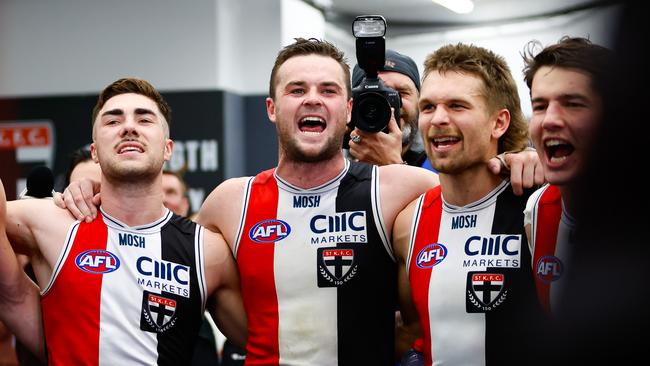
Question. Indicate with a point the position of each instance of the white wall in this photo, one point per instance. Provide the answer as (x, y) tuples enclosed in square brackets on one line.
[(301, 20), (249, 38), (508, 40), (80, 46)]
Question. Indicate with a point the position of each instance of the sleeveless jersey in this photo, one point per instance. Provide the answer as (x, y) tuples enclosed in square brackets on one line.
[(318, 276), (551, 238), (470, 279), (123, 295)]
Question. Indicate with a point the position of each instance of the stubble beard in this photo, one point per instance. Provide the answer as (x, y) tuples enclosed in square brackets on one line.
[(131, 173), (293, 152)]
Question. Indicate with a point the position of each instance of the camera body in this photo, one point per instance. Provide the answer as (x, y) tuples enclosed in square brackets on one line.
[(372, 100)]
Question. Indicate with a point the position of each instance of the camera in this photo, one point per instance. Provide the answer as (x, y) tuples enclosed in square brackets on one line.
[(372, 100)]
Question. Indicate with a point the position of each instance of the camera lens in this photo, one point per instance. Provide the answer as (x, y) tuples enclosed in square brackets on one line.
[(371, 112)]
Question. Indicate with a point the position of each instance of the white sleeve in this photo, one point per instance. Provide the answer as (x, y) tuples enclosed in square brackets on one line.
[(530, 205)]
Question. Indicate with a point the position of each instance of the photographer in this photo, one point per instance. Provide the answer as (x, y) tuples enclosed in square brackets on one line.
[(396, 146), (401, 144)]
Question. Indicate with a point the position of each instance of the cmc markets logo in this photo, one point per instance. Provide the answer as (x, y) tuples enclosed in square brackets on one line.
[(269, 231), (97, 261), (431, 255)]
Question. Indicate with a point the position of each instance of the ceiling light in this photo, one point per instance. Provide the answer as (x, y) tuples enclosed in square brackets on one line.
[(457, 6)]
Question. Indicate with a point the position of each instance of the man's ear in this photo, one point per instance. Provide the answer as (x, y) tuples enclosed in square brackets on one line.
[(349, 111), (270, 109), (501, 123), (169, 149), (93, 153)]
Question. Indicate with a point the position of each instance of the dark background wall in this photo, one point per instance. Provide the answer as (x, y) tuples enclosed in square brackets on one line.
[(205, 148)]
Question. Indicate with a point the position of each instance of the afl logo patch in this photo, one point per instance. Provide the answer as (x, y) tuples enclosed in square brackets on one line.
[(97, 261), (549, 268), (269, 231), (431, 255)]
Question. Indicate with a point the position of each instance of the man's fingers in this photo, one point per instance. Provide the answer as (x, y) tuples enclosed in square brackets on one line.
[(87, 196), (58, 200), (528, 175), (494, 165), (516, 178), (97, 199), (70, 204), (539, 174), (393, 127)]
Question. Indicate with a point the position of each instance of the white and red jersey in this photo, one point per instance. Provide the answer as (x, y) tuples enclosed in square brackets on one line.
[(470, 279), (551, 243), (123, 295), (318, 275)]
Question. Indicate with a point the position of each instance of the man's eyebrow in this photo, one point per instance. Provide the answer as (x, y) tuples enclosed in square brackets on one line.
[(331, 84), (566, 96), (113, 112), (144, 111), (120, 112), (295, 83)]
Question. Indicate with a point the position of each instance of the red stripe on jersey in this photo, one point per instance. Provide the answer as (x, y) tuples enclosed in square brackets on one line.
[(419, 278), (549, 211), (255, 261), (71, 306)]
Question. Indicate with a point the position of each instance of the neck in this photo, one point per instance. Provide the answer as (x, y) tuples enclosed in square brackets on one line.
[(468, 186), (308, 175), (133, 203)]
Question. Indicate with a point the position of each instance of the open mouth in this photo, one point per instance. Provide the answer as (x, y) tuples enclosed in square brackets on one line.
[(312, 125), (557, 150), (127, 148), (442, 142)]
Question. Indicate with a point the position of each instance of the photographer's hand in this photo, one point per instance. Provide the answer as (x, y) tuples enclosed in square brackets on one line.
[(378, 148)]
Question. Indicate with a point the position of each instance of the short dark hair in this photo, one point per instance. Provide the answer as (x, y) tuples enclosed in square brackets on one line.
[(304, 47), (136, 86), (570, 52), (78, 156), (499, 87)]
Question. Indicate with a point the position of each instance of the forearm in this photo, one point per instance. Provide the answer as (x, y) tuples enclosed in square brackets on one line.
[(230, 317), (20, 308)]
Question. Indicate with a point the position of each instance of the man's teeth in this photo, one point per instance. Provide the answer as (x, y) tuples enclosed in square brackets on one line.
[(129, 149), (444, 139), (551, 143), (313, 119), (558, 150)]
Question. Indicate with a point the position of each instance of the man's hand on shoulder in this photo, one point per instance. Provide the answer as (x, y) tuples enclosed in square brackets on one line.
[(81, 198), (525, 168)]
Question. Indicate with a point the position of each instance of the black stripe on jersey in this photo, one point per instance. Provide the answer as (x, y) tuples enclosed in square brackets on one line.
[(366, 304), (176, 345), (510, 330)]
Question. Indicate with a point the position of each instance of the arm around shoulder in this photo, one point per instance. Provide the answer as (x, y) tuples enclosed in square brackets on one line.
[(225, 302), (409, 329), (221, 209), (19, 296)]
